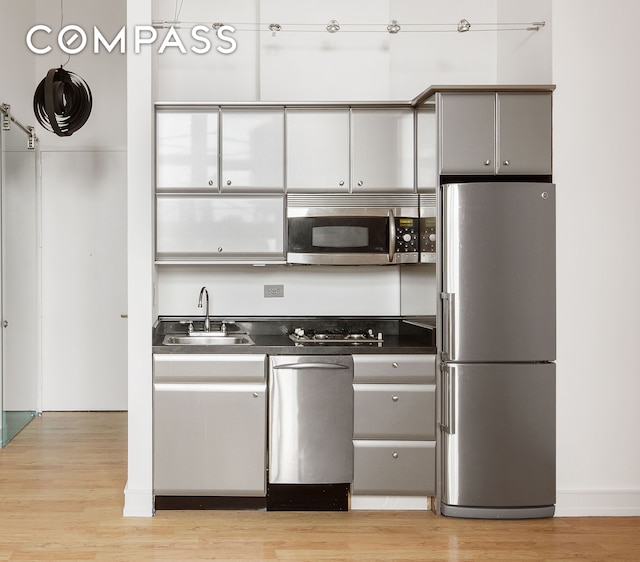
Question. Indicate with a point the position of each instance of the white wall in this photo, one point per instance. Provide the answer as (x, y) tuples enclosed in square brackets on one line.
[(16, 62), (83, 221), (333, 291), (140, 273), (596, 123), (524, 58)]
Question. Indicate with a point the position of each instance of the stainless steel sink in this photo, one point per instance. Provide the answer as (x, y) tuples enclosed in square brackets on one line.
[(211, 339)]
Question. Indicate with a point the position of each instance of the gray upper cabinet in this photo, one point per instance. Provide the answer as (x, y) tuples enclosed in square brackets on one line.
[(357, 150), (252, 158), (426, 148), (187, 149), (467, 133), (382, 146), (318, 150), (219, 228), (524, 133), (487, 133)]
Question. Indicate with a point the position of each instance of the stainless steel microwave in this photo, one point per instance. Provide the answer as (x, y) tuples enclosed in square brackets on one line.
[(352, 229)]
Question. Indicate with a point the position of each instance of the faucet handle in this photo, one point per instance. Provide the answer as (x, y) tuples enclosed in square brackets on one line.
[(189, 325)]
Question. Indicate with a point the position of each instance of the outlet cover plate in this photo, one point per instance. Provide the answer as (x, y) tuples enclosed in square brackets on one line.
[(271, 291)]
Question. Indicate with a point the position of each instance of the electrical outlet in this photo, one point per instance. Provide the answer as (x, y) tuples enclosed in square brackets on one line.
[(271, 291)]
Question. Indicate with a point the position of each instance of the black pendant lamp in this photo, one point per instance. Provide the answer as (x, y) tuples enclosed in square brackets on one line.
[(62, 102)]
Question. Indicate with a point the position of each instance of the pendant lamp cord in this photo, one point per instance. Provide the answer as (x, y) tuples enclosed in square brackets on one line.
[(61, 26)]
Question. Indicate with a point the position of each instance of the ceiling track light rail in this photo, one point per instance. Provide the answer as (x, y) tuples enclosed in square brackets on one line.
[(393, 28)]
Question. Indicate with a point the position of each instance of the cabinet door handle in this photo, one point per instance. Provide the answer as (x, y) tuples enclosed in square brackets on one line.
[(210, 182), (487, 162), (395, 398), (506, 163), (228, 182), (255, 395), (301, 366), (360, 183), (341, 183), (395, 454)]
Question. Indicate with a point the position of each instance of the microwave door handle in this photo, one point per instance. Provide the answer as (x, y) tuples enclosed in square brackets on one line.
[(392, 235)]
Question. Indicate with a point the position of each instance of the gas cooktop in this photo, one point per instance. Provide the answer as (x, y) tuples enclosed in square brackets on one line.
[(335, 336)]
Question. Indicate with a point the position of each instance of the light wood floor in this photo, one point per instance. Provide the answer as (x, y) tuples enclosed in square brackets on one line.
[(61, 494)]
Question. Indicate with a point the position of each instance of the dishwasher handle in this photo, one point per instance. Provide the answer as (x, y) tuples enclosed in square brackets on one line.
[(300, 366)]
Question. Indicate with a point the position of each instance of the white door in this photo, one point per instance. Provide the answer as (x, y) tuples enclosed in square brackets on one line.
[(84, 278)]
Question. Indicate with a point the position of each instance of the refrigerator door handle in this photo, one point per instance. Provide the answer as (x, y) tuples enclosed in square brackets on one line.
[(448, 400), (448, 326)]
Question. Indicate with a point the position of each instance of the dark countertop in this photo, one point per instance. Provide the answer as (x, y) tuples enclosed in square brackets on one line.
[(271, 335)]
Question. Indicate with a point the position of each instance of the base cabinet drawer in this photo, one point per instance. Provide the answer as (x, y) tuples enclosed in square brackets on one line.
[(397, 369), (394, 411), (394, 468)]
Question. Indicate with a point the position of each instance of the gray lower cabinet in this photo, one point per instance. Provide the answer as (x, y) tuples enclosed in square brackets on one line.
[(394, 425), (209, 425)]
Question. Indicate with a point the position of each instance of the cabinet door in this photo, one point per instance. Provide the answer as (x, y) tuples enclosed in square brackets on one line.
[(218, 227), (467, 133), (318, 150), (382, 143), (187, 149), (427, 140), (209, 439), (524, 133), (398, 468), (394, 411), (252, 150), (499, 435)]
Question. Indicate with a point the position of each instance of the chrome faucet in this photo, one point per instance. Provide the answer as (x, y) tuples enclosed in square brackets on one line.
[(207, 324)]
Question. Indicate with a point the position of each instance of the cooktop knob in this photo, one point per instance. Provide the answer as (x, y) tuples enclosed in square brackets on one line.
[(406, 237)]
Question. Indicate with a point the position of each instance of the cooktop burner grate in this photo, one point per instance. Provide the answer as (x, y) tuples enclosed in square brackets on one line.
[(335, 336)]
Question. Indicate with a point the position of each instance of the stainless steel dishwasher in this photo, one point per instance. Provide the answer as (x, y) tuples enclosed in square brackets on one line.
[(310, 432)]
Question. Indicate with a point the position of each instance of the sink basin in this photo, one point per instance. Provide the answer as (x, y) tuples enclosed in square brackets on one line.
[(208, 340)]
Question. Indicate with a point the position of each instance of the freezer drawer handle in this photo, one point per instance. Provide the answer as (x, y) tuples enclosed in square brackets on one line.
[(449, 328), (448, 401), (299, 366)]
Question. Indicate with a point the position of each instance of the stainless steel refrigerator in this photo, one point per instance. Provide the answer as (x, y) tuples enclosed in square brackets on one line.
[(497, 349)]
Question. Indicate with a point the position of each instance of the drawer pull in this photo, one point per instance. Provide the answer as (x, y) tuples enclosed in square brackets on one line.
[(395, 455), (395, 398), (395, 365)]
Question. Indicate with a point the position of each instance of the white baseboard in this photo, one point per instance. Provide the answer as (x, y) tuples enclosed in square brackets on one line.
[(138, 503), (600, 503), (400, 503)]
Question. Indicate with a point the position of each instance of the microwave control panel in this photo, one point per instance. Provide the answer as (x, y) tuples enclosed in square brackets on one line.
[(428, 239), (407, 232)]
